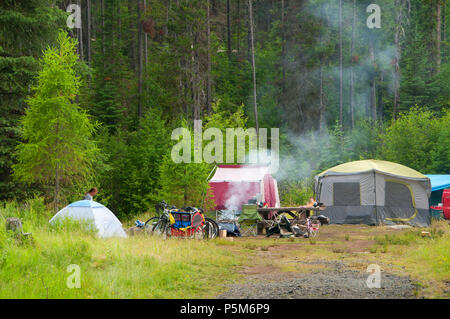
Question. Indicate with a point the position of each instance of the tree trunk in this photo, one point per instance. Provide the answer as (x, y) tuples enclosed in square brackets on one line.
[(140, 60), (102, 4), (195, 76), (228, 29), (341, 100), (444, 22), (322, 119), (208, 75), (80, 36), (322, 107), (88, 31), (352, 74), (283, 47), (213, 7), (94, 19), (119, 25), (380, 98), (57, 186), (145, 38), (113, 26), (57, 177), (438, 35), (131, 45), (166, 30), (249, 41), (238, 25), (250, 10), (373, 92), (399, 5)]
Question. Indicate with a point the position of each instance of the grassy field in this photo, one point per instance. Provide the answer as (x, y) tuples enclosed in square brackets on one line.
[(136, 267), (146, 267)]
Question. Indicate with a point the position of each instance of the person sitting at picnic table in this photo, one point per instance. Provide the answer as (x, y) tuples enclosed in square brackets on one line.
[(90, 195), (310, 203)]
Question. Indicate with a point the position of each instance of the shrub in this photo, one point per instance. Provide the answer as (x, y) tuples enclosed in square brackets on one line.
[(405, 238), (412, 138)]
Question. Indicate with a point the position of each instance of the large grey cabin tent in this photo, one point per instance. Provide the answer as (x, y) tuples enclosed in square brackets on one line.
[(374, 192)]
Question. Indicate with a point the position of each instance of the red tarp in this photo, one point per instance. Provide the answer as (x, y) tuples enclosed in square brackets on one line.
[(234, 185)]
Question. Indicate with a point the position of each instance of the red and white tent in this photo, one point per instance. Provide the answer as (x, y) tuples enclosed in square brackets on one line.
[(234, 185)]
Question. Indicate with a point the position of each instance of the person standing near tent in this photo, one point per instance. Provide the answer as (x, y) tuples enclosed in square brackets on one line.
[(90, 195)]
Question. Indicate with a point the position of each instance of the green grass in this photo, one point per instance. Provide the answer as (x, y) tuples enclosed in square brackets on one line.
[(405, 238), (425, 259), (135, 267), (145, 267)]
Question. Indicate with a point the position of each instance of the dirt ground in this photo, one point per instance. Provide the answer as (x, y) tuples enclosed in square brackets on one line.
[(334, 265)]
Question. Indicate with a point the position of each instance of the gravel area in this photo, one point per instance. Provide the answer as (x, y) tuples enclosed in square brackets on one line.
[(336, 281)]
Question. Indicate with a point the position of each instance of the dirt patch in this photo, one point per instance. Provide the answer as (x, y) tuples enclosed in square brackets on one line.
[(330, 266), (331, 280), (259, 269)]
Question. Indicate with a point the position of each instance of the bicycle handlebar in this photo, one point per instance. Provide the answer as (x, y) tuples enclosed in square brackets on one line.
[(165, 206)]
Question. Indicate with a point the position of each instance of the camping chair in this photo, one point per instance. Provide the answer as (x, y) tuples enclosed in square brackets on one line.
[(248, 227), (248, 220)]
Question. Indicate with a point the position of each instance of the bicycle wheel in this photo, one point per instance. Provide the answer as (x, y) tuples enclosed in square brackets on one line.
[(210, 229), (149, 224), (199, 233), (161, 228)]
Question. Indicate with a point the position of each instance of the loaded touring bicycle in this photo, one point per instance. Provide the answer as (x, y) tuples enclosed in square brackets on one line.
[(189, 222)]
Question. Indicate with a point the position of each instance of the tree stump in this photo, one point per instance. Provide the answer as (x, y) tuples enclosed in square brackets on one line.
[(14, 224), (135, 231)]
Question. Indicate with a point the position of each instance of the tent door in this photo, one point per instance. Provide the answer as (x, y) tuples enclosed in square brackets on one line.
[(399, 201)]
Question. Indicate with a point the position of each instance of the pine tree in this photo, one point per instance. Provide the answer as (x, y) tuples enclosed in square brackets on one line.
[(415, 80), (27, 27), (112, 84), (57, 149), (183, 184), (132, 184)]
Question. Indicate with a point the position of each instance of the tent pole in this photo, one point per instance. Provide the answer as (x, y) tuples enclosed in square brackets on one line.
[(215, 166), (375, 197)]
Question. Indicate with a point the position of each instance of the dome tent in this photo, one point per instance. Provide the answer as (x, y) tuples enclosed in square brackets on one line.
[(374, 192), (104, 220)]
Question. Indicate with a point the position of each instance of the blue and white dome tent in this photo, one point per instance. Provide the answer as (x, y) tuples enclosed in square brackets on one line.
[(104, 220)]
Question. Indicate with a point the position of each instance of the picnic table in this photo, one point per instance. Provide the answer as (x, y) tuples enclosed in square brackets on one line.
[(271, 215), (265, 211)]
